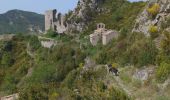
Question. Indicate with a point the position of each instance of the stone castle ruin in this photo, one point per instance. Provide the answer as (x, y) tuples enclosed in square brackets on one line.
[(59, 25), (56, 23), (102, 34)]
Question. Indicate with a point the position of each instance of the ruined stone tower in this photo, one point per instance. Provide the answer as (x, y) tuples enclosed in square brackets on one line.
[(55, 23), (50, 19)]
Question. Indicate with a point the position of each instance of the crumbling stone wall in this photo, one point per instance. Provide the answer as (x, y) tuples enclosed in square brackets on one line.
[(108, 36), (94, 38)]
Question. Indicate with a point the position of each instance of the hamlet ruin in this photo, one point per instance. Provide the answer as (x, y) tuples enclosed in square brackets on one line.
[(58, 25)]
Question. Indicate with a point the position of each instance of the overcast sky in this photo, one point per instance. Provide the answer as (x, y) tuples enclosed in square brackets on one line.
[(38, 6)]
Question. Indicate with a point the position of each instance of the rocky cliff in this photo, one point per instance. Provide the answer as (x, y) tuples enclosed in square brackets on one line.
[(77, 19), (145, 21)]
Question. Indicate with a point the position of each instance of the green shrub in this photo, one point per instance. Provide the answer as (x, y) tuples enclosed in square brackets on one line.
[(163, 72), (142, 53), (123, 34), (51, 33), (43, 73), (7, 59), (165, 44), (101, 58), (9, 85), (34, 92), (90, 86), (165, 24), (153, 30), (154, 9), (137, 83), (8, 46), (54, 96), (34, 43), (164, 54)]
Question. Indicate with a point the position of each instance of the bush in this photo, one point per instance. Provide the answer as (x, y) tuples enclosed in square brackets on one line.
[(34, 43), (154, 9), (165, 44), (51, 33), (7, 60), (137, 83), (153, 30), (9, 84), (164, 54), (115, 65), (8, 46), (101, 58), (142, 53), (43, 73), (123, 34), (34, 92), (163, 72), (165, 24), (90, 86)]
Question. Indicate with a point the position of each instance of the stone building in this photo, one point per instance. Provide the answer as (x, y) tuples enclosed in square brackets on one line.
[(94, 38), (108, 36), (102, 34), (56, 23)]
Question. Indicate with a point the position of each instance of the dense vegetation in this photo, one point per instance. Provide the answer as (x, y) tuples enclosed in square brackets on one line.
[(51, 73), (15, 60)]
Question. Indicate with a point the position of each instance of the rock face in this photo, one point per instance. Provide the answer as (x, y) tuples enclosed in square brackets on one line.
[(143, 74), (82, 14), (48, 44), (11, 97), (89, 63), (6, 37), (143, 22)]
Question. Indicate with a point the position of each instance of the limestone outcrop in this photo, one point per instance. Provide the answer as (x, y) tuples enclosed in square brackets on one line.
[(143, 21), (10, 97)]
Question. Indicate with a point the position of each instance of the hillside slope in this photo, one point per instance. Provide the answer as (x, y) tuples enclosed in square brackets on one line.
[(17, 21), (113, 13), (73, 69)]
